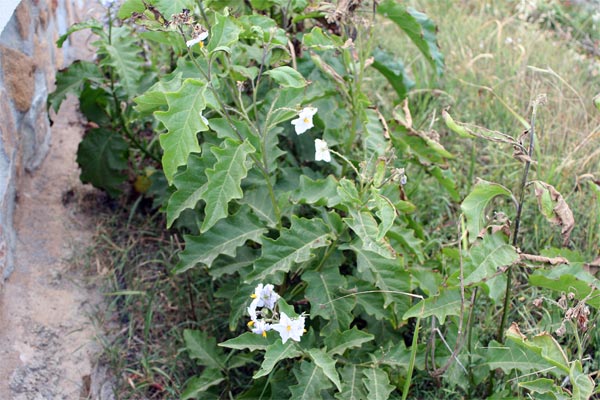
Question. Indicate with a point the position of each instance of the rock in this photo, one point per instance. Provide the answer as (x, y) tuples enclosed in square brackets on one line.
[(35, 128), (23, 15), (18, 76)]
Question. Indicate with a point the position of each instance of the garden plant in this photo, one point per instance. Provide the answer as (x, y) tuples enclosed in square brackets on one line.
[(352, 261)]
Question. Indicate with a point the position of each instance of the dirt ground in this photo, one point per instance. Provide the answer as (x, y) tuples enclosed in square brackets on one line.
[(47, 341)]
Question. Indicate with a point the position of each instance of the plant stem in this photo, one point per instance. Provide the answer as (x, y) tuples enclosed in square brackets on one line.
[(507, 294)]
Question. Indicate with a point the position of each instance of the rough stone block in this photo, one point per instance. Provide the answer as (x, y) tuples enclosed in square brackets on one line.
[(23, 15), (18, 76)]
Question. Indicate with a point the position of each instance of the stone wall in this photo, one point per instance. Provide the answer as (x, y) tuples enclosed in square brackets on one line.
[(28, 61)]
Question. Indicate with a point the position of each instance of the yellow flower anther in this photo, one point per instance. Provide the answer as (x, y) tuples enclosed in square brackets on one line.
[(250, 323), (264, 334), (289, 328), (253, 296), (306, 120)]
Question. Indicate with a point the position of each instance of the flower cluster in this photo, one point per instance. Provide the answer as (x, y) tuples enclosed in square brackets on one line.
[(264, 316), (303, 123)]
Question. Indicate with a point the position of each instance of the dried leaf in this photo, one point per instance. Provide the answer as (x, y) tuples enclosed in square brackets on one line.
[(554, 207), (543, 259), (406, 119)]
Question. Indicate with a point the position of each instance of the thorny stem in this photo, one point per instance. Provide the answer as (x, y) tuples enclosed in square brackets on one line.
[(507, 294)]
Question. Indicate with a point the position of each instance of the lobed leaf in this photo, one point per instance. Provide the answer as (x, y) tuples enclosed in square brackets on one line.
[(224, 179), (327, 365), (223, 33), (199, 384), (276, 352), (444, 304), (311, 381), (294, 245), (102, 156), (366, 228), (543, 344), (352, 384), (287, 77), (71, 80), (393, 70), (339, 342), (377, 383), (223, 238), (487, 256), (249, 341), (204, 349), (183, 122)]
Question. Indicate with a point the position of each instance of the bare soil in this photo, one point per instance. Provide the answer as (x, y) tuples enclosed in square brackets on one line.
[(47, 341)]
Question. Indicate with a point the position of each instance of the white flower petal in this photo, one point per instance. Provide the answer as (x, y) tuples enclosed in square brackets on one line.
[(305, 120), (192, 42), (322, 151)]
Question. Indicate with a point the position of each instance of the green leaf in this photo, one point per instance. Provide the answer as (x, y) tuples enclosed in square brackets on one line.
[(327, 364), (224, 33), (258, 199), (311, 381), (223, 238), (276, 352), (339, 342), (170, 7), (183, 122), (317, 40), (387, 274), (377, 383), (287, 77), (204, 349), (224, 179), (366, 228), (442, 305), (473, 206), (190, 185), (155, 97), (544, 385), (543, 344), (352, 385), (128, 7), (405, 238), (94, 25), (294, 245), (102, 156), (419, 28), (122, 54), (447, 180), (324, 292), (392, 69), (250, 341), (199, 384), (320, 192), (487, 256), (572, 277), (510, 356), (583, 385), (71, 80)]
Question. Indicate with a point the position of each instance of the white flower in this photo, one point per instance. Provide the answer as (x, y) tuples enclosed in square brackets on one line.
[(265, 296), (305, 120), (289, 328), (261, 328), (252, 310), (198, 39), (322, 151)]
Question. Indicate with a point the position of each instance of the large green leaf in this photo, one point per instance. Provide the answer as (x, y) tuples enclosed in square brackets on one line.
[(123, 55), (377, 383), (442, 305), (128, 7), (190, 185), (276, 352), (204, 349), (71, 79), (319, 192), (155, 97), (392, 69), (487, 256), (287, 77), (352, 384), (366, 228), (94, 25), (183, 122), (223, 238), (419, 28), (102, 156), (474, 205), (339, 342), (250, 341), (224, 179), (572, 277), (327, 364), (545, 386), (223, 34), (543, 344), (199, 384), (325, 287), (510, 356), (294, 245), (311, 381), (170, 7), (583, 385), (387, 274)]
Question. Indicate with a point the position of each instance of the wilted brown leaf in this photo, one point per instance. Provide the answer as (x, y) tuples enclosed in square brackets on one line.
[(543, 259), (554, 207)]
